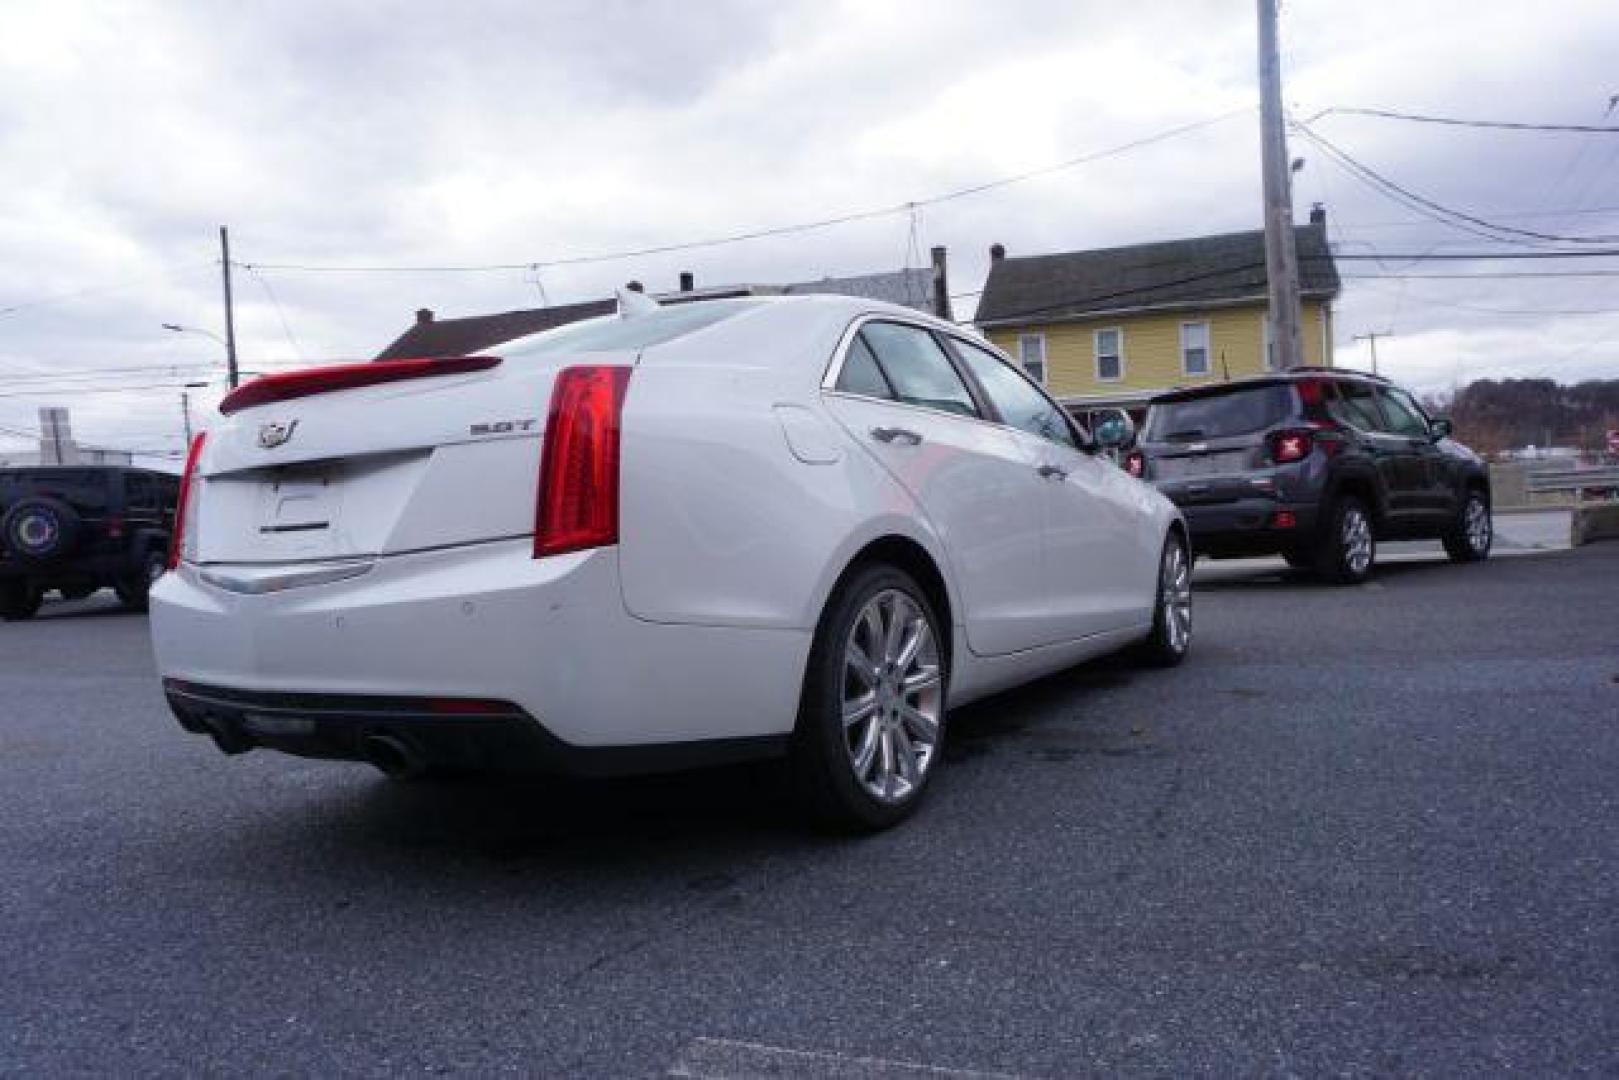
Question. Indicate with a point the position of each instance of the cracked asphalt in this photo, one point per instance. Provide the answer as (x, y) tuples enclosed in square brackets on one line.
[(1360, 831)]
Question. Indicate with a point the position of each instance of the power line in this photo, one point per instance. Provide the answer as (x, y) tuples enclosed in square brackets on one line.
[(1428, 207), (780, 230), (13, 309), (1452, 121), (1485, 275), (113, 372)]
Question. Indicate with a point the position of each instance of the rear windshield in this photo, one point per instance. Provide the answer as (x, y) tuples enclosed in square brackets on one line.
[(1239, 412), (613, 334)]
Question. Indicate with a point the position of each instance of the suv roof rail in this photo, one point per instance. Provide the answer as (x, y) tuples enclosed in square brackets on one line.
[(1319, 370)]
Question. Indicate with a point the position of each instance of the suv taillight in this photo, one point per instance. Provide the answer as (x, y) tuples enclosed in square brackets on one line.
[(186, 501), (578, 496), (1288, 446), (1135, 463)]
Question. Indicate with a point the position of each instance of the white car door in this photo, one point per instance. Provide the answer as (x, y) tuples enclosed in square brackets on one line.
[(898, 392), (1100, 557)]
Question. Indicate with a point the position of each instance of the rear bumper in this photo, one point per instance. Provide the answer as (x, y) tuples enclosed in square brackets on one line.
[(485, 622), (408, 734), (1249, 527)]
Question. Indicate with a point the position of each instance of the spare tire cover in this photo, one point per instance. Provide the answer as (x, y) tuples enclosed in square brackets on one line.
[(38, 529)]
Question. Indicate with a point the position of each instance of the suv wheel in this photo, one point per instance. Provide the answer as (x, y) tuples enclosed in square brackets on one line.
[(1348, 549), (18, 601), (871, 722), (1470, 537), (132, 591)]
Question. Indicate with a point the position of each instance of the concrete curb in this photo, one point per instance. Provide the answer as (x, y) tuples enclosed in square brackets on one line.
[(1590, 523)]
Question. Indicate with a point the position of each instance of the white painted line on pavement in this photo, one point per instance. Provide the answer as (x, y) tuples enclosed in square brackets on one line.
[(733, 1059)]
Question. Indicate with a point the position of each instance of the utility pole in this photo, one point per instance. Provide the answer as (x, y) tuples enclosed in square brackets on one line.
[(1371, 336), (232, 374), (185, 414), (1281, 251)]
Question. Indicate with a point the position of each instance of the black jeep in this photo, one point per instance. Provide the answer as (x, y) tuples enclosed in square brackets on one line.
[(76, 529), (1316, 465)]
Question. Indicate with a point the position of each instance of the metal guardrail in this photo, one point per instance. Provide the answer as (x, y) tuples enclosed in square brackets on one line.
[(1602, 478)]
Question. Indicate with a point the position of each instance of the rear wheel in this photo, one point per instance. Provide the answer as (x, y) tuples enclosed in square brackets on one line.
[(1171, 632), (871, 722), (18, 601), (1348, 548), (1470, 537), (133, 590)]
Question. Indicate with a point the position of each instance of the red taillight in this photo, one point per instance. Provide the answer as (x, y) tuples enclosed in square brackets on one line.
[(1286, 446), (578, 498), (1283, 519), (324, 380), (1135, 463), (183, 505), (1311, 391)]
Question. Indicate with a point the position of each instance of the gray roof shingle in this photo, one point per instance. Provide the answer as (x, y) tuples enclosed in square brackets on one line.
[(1169, 274)]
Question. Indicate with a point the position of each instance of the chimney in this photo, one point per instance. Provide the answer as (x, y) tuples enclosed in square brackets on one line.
[(941, 285), (1318, 215), (635, 286), (424, 316), (997, 252), (688, 281)]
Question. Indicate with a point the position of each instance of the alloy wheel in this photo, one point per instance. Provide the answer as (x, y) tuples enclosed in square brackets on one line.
[(1477, 525), (1356, 537), (893, 696), (1175, 597)]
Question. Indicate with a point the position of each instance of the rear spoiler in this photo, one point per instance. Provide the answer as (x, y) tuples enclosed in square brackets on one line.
[(285, 386)]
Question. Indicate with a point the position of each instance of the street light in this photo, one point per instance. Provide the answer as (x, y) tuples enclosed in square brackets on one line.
[(230, 353)]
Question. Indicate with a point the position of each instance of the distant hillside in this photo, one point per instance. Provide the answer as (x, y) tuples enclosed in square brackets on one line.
[(1492, 416)]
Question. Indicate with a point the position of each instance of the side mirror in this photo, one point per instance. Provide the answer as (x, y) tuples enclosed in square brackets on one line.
[(1115, 431), (1440, 427)]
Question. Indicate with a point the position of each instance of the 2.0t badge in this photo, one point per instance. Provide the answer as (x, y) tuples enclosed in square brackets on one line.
[(273, 435)]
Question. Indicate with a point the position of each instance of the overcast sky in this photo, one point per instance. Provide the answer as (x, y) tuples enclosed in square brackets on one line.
[(416, 133)]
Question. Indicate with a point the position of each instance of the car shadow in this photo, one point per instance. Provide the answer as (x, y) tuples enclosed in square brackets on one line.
[(718, 817), (1286, 576)]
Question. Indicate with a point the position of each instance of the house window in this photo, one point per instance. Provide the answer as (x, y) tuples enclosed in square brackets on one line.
[(1195, 348), (1110, 355), (1031, 353)]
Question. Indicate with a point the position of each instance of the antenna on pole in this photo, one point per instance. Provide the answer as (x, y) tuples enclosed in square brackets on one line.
[(1371, 336)]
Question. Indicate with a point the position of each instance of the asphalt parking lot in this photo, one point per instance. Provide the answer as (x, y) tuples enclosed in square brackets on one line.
[(1364, 830)]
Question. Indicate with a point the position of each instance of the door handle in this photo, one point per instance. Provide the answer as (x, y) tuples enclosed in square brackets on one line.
[(1052, 472), (902, 436)]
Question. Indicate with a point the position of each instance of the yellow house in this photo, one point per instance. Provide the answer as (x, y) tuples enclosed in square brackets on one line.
[(1112, 327)]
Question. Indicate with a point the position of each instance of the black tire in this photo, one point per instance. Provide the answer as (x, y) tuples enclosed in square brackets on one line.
[(133, 591), (1470, 538), (1299, 560), (822, 758), (40, 529), (1171, 635), (18, 601), (1341, 558)]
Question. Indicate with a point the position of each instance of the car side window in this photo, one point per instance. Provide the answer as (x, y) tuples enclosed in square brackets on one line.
[(1404, 418), (1353, 404), (140, 493), (917, 368), (1014, 397), (860, 373)]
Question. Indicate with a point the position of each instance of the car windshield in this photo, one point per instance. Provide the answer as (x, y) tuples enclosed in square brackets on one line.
[(613, 334), (1217, 416)]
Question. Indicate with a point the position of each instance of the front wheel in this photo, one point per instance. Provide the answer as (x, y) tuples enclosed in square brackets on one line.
[(18, 601), (1348, 548), (1171, 634), (1469, 539), (133, 591), (871, 721)]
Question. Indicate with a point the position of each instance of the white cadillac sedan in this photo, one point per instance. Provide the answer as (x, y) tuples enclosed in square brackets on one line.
[(721, 530)]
